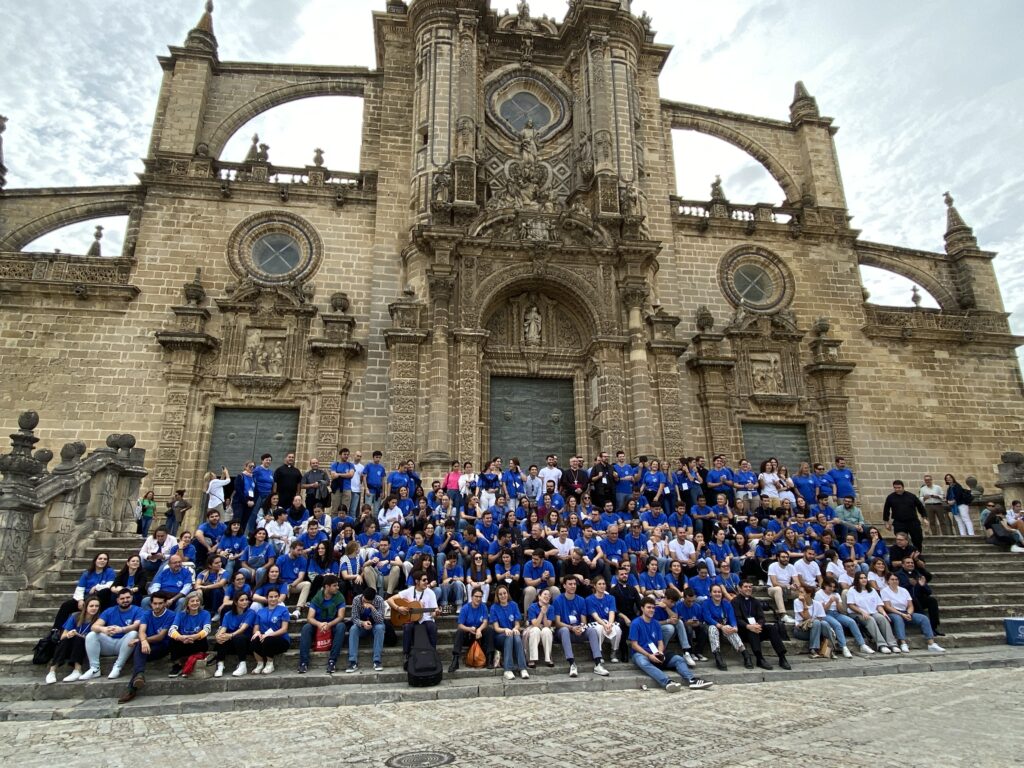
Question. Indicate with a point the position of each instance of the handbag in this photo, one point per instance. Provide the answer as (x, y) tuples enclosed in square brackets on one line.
[(475, 656), (46, 647), (324, 639), (825, 650)]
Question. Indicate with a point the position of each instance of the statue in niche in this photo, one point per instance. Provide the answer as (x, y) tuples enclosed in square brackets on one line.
[(523, 20), (442, 185), (634, 204), (532, 326), (276, 366), (253, 350), (528, 143), (585, 157)]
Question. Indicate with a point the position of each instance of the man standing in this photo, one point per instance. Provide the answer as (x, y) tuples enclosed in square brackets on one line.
[(316, 485), (602, 482), (243, 498), (754, 628), (934, 499), (624, 476), (648, 651), (574, 480), (550, 473), (843, 479), (341, 473), (287, 478), (263, 477), (904, 509), (375, 473), (355, 484)]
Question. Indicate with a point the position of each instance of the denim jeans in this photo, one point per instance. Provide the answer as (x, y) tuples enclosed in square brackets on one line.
[(144, 523), (677, 630), (97, 645), (454, 592), (899, 626), (656, 674), (813, 635), (172, 526), (843, 621), (309, 633), (356, 633), (512, 654)]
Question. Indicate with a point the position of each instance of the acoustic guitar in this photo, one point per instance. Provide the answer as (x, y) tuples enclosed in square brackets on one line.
[(416, 611)]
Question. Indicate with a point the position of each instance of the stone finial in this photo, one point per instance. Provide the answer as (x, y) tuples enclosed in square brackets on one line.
[(340, 302), (915, 296), (194, 291), (804, 105), (959, 236), (821, 326), (318, 157), (716, 189), (263, 155), (3, 168), (253, 154), (94, 249), (704, 319), (19, 465), (201, 35)]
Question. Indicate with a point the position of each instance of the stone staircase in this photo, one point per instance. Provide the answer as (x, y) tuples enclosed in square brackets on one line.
[(977, 586)]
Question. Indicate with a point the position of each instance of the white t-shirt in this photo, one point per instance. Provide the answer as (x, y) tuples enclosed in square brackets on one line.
[(836, 571), (1011, 517), (658, 547), (875, 580), (784, 576), (564, 548), (809, 573), (815, 610), (549, 473), (768, 484), (216, 492), (821, 597), (388, 516), (681, 550), (355, 483), (868, 600), (845, 580), (426, 598), (927, 491), (900, 600)]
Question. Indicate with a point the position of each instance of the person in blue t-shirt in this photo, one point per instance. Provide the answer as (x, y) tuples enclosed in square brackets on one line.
[(720, 479), (209, 534), (625, 476), (601, 612), (648, 652), (232, 637), (374, 475), (505, 622), (71, 647), (571, 625), (472, 627), (539, 632), (312, 536), (231, 546), (189, 632), (721, 621), (803, 482), (326, 614), (113, 634), (270, 633), (293, 572), (841, 475), (153, 643)]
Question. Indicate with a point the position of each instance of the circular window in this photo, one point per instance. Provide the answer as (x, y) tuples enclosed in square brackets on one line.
[(274, 248), (523, 107), (755, 278)]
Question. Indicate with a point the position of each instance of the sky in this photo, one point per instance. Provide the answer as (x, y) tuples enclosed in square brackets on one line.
[(926, 97)]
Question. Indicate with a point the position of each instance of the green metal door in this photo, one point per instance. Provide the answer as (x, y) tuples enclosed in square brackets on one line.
[(531, 418), (786, 442), (243, 434)]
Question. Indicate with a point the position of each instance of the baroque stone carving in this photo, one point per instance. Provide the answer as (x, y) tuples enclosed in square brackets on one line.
[(766, 374), (532, 326)]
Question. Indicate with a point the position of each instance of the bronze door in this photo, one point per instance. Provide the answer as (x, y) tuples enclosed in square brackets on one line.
[(531, 418)]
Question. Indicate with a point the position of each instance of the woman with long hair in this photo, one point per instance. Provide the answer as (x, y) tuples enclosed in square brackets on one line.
[(867, 609), (132, 577), (878, 575), (274, 581), (233, 591), (270, 632), (509, 573), (71, 648), (95, 581), (147, 508), (538, 634), (232, 638), (810, 621), (232, 544), (478, 576), (958, 499), (257, 557), (211, 582), (505, 622), (320, 563)]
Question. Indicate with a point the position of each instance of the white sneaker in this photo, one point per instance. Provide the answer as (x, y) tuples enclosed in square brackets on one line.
[(935, 647), (896, 649), (268, 668), (673, 687), (846, 653), (115, 672), (89, 674), (1017, 548), (258, 669), (219, 672), (787, 619), (884, 649), (600, 670), (75, 675), (509, 675), (51, 677), (690, 662), (240, 670), (866, 649), (573, 672), (904, 648), (614, 659), (524, 674)]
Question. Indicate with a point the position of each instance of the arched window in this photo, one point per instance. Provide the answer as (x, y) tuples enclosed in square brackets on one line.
[(77, 238), (890, 289), (699, 158), (293, 130)]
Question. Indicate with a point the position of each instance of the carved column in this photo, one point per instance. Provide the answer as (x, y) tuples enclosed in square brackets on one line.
[(469, 344), (715, 367), (437, 458), (602, 117), (464, 170), (825, 376), (403, 341), (611, 388), (18, 507), (666, 350), (335, 349), (634, 293)]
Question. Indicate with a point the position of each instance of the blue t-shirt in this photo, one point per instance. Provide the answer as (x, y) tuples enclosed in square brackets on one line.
[(614, 550), (805, 486), (536, 572), (697, 511), (513, 483), (264, 480), (743, 477), (534, 612), (90, 578), (82, 630), (157, 624), (230, 592), (189, 624), (488, 532), (232, 621), (589, 546), (823, 483), (626, 474), (843, 478), (453, 572), (505, 616), (291, 567), (374, 474), (169, 581), (213, 533), (631, 580), (257, 555), (648, 582), (602, 606), (280, 586), (500, 571), (701, 587), (188, 553), (472, 617), (489, 481), (654, 518), (646, 634), (635, 543), (652, 480), (308, 542), (341, 467), (722, 476), (571, 611), (718, 614), (268, 620), (235, 545)]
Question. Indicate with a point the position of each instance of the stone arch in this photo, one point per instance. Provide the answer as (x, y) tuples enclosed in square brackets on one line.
[(276, 97), (756, 150), (934, 285), (18, 238), (520, 278)]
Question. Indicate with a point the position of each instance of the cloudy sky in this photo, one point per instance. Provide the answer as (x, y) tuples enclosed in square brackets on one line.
[(927, 97)]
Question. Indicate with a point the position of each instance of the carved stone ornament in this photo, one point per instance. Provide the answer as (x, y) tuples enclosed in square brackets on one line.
[(704, 319), (766, 374)]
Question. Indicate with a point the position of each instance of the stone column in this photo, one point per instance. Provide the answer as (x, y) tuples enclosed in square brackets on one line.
[(336, 349), (18, 507), (714, 367), (611, 388), (403, 342), (825, 376), (666, 351), (1011, 477), (469, 345), (438, 458), (634, 293)]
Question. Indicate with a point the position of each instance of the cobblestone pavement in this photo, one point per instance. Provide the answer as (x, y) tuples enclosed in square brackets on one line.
[(928, 720)]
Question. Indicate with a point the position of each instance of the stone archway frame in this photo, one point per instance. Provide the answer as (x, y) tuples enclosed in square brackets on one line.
[(355, 85), (63, 217), (576, 227), (740, 140), (890, 260)]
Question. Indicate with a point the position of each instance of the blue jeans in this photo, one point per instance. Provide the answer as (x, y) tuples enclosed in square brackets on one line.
[(512, 654), (172, 526), (899, 625), (845, 622), (255, 514), (453, 592), (144, 524), (358, 632), (813, 635), (678, 630), (309, 633), (653, 672)]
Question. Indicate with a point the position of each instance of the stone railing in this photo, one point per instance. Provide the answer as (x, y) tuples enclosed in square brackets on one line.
[(46, 515), (60, 273), (934, 325), (279, 174), (722, 209)]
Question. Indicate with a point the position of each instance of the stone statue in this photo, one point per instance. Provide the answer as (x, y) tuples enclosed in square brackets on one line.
[(442, 185), (276, 366), (523, 20), (531, 326), (528, 143), (253, 348), (634, 204), (716, 189)]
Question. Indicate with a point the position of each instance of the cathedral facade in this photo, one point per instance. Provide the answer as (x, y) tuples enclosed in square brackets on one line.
[(509, 272)]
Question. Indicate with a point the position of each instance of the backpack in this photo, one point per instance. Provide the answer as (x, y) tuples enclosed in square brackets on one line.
[(46, 647), (425, 668)]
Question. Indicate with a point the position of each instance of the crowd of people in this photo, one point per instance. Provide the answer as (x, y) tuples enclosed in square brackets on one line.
[(625, 559)]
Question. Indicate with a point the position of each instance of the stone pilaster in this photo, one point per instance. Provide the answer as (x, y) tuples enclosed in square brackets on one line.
[(336, 350), (18, 507), (469, 345), (666, 351), (633, 293), (612, 418), (825, 377), (403, 342), (714, 367), (437, 458)]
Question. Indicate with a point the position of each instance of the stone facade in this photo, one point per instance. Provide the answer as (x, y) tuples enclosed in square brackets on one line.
[(533, 170)]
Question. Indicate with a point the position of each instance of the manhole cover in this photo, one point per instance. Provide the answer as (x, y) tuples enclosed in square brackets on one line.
[(419, 759)]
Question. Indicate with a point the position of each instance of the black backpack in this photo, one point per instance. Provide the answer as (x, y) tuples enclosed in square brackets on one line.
[(46, 647), (425, 668)]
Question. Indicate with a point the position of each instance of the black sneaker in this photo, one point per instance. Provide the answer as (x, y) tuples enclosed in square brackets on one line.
[(330, 667), (175, 671), (698, 683), (353, 667), (303, 668)]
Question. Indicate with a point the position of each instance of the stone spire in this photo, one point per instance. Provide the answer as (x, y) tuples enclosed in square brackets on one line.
[(94, 249), (804, 105), (201, 36), (3, 168), (959, 236)]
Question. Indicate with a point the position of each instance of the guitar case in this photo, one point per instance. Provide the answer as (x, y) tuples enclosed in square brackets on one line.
[(425, 667)]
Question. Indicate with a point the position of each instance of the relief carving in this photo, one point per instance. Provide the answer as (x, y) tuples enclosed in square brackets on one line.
[(766, 374)]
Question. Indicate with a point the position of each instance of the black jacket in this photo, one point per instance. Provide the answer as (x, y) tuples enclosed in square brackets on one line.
[(748, 608)]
